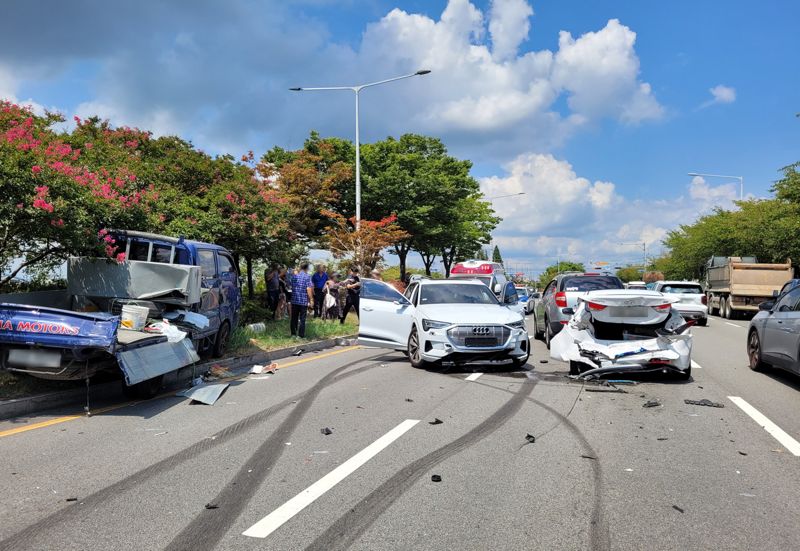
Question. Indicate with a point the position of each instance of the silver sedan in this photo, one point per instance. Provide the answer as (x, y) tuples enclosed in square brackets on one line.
[(773, 338)]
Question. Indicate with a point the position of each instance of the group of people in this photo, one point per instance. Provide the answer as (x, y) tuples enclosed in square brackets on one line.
[(293, 294)]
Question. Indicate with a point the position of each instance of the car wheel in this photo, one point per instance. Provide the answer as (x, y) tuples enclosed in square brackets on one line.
[(730, 313), (221, 343), (415, 350), (722, 307), (702, 322), (536, 333), (548, 333), (576, 368), (754, 351)]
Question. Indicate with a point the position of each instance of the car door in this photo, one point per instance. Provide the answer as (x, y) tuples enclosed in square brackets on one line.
[(782, 331), (230, 294), (543, 304), (210, 287), (385, 317)]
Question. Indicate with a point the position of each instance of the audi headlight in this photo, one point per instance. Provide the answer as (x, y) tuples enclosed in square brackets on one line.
[(430, 324), (517, 324)]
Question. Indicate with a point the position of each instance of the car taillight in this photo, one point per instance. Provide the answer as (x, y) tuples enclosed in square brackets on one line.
[(595, 306), (561, 300), (663, 308), (704, 300)]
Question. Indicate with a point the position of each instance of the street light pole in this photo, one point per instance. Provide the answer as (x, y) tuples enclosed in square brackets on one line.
[(357, 89), (644, 254), (740, 178)]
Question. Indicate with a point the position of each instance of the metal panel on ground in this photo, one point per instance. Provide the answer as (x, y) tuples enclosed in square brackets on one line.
[(141, 364)]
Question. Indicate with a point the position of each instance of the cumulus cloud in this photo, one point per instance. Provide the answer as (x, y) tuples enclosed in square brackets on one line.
[(566, 215), (509, 24), (720, 94)]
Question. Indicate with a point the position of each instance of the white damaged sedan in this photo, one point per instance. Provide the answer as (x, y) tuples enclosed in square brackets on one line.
[(452, 322), (622, 331)]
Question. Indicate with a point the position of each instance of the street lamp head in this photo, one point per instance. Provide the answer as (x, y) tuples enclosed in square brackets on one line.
[(296, 89), (423, 72)]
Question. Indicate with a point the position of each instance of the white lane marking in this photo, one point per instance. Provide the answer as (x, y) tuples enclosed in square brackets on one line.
[(473, 377), (733, 325), (285, 512), (696, 365), (778, 433)]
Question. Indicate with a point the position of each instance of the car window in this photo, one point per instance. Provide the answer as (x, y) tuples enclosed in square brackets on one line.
[(457, 294), (225, 264), (161, 253), (139, 250), (410, 291), (377, 290), (582, 284), (682, 289), (510, 294), (789, 301), (522, 293), (550, 288), (206, 261)]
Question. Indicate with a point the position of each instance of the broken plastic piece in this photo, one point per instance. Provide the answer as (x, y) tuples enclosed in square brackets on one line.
[(704, 402), (677, 508), (326, 431), (662, 439), (259, 369), (542, 361), (409, 400), (589, 457), (72, 499), (651, 404), (212, 506), (436, 421), (530, 438), (436, 478), (299, 352), (742, 453)]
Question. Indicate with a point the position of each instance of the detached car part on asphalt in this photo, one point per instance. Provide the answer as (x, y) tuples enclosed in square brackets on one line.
[(624, 331)]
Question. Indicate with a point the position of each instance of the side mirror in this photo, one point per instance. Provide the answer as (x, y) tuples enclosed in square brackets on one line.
[(498, 289), (568, 311), (401, 302)]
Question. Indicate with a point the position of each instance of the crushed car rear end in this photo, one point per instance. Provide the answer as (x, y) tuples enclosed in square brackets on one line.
[(622, 331)]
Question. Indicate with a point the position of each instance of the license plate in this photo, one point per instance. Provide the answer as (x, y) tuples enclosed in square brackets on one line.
[(628, 311), (480, 341), (34, 358)]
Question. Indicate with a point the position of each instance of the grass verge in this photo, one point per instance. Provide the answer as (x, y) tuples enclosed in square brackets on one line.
[(277, 334)]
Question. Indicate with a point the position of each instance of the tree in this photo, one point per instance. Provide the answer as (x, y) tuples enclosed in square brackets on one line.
[(482, 254), (629, 273), (552, 271), (496, 256), (362, 247), (470, 229)]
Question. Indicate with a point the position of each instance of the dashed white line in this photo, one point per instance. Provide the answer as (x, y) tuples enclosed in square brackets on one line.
[(696, 365), (733, 325), (778, 433), (473, 377), (285, 512)]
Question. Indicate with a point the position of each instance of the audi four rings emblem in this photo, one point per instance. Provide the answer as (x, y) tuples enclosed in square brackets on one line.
[(481, 330)]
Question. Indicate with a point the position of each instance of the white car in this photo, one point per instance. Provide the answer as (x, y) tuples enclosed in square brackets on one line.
[(623, 331), (691, 299), (443, 321)]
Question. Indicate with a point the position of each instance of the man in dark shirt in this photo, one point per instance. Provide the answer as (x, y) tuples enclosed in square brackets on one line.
[(319, 279), (272, 280), (353, 286)]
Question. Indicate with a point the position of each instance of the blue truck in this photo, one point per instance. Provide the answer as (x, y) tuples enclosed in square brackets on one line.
[(77, 332)]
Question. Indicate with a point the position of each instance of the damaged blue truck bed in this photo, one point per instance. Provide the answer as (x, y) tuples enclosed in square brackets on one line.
[(74, 333)]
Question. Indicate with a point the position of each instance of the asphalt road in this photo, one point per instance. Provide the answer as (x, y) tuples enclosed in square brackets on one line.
[(603, 473)]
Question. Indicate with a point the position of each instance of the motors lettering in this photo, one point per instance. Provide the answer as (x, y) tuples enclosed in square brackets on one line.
[(38, 327)]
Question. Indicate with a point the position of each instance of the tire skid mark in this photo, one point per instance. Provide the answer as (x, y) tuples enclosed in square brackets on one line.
[(91, 503), (349, 527), (599, 538)]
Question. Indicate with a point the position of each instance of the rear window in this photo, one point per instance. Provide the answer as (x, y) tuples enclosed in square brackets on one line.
[(682, 289), (582, 284)]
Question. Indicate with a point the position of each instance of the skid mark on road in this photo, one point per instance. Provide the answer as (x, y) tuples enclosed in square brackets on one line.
[(93, 502), (347, 529), (778, 433), (285, 512)]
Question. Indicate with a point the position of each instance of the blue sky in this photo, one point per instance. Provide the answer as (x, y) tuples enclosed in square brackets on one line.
[(598, 128)]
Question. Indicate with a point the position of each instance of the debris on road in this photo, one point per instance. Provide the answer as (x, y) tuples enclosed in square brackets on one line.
[(651, 404), (593, 458), (543, 361), (72, 499), (747, 495), (628, 470), (258, 369), (205, 393), (742, 453), (704, 402), (299, 352), (662, 439), (409, 400), (197, 381), (436, 478), (161, 433), (613, 390), (436, 421), (326, 431), (677, 509), (621, 382), (212, 506), (218, 372), (530, 438)]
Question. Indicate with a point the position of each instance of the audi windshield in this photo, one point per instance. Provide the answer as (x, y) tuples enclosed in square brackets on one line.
[(456, 294)]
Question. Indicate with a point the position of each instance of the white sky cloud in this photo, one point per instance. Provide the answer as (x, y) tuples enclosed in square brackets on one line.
[(720, 94)]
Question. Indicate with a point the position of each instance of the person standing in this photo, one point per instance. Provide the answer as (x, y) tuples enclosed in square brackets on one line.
[(353, 286), (272, 280), (302, 296), (331, 307), (319, 280), (282, 308)]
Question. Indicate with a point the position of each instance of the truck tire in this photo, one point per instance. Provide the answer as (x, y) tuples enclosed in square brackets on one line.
[(728, 310), (711, 310), (722, 307), (221, 342)]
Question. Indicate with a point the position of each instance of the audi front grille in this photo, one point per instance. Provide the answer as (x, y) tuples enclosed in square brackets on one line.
[(479, 336)]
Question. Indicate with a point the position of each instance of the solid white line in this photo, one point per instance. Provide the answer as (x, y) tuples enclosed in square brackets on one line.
[(285, 512), (474, 377), (696, 365), (733, 325), (778, 433)]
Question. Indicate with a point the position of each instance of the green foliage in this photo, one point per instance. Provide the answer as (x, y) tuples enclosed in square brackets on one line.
[(278, 335), (630, 273), (496, 256), (552, 271), (481, 255)]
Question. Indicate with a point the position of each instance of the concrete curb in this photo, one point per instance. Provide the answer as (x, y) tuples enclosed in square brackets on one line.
[(237, 365)]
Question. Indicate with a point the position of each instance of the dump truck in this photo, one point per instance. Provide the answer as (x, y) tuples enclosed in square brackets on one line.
[(736, 285)]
